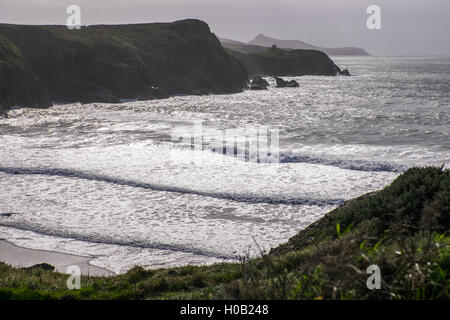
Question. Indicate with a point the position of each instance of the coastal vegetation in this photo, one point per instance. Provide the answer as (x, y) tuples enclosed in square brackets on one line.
[(402, 229)]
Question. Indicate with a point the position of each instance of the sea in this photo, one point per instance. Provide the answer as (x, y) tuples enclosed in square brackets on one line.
[(161, 184)]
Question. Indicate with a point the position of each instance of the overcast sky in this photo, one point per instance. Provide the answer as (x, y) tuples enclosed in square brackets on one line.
[(409, 27)]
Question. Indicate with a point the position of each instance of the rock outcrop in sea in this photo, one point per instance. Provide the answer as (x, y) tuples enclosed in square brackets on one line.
[(258, 83), (281, 83)]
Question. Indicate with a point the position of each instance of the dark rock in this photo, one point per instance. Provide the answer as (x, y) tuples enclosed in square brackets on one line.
[(257, 87), (292, 84), (345, 73), (281, 83), (337, 70), (42, 266), (7, 214), (258, 80)]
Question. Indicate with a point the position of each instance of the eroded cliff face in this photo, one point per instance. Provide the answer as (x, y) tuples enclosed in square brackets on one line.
[(251, 65), (108, 62), (279, 62), (18, 84)]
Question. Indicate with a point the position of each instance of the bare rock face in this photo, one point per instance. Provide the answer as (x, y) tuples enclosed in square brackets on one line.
[(258, 83), (292, 84), (281, 83), (258, 80)]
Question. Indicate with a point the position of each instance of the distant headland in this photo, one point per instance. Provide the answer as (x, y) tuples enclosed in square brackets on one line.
[(262, 42)]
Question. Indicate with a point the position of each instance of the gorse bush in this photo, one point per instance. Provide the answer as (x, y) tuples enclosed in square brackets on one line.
[(402, 229)]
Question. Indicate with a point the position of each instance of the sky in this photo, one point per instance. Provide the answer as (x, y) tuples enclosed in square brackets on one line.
[(408, 27)]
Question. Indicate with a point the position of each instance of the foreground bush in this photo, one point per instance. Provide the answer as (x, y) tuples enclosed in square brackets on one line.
[(402, 229)]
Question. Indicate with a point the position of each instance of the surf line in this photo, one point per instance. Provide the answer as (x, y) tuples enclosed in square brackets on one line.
[(66, 173), (116, 242)]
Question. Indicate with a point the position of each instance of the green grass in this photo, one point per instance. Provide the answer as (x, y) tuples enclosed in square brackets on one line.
[(403, 229), (190, 282)]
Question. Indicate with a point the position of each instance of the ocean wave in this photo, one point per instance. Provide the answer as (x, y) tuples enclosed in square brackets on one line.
[(247, 198), (110, 241), (348, 164)]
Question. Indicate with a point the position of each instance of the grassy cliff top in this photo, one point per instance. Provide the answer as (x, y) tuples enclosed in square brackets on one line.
[(89, 34), (283, 53)]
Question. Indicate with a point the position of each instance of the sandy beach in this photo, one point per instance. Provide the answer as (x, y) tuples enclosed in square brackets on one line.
[(22, 257)]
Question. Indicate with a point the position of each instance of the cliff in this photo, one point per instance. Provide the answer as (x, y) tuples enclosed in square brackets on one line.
[(278, 62), (18, 84), (263, 61), (106, 63), (251, 66)]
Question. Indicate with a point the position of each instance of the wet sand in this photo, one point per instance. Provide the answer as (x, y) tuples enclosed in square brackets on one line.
[(22, 257)]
